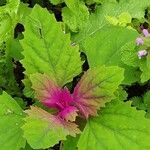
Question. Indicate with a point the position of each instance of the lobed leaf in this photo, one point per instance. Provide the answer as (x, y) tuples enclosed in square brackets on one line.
[(47, 49), (95, 88), (43, 130), (119, 126)]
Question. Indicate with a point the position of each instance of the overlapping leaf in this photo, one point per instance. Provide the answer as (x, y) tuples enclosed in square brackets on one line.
[(44, 130), (95, 88), (98, 19), (47, 49), (118, 126), (104, 48)]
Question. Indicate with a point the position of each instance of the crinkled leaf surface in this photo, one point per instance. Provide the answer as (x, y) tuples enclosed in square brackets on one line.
[(47, 49), (95, 88), (11, 120), (43, 130), (118, 126)]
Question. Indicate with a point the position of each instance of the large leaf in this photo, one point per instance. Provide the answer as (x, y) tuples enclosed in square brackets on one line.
[(96, 87), (11, 119), (98, 20), (104, 47), (47, 49), (43, 130), (118, 127)]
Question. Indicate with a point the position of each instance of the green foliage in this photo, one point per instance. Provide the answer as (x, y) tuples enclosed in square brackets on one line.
[(11, 119), (50, 130), (47, 49), (105, 32), (7, 24), (55, 2), (104, 48), (75, 14), (70, 143), (96, 87), (98, 19), (129, 57), (117, 125), (143, 103)]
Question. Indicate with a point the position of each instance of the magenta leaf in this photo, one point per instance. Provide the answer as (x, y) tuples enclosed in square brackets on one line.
[(53, 96)]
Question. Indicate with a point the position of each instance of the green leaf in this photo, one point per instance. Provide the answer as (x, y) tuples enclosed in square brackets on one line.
[(7, 78), (146, 100), (55, 2), (43, 130), (118, 126), (14, 48), (106, 44), (121, 94), (104, 48), (28, 147), (23, 12), (11, 119), (129, 56), (89, 2), (70, 143), (47, 49), (8, 19), (138, 103), (123, 19), (75, 14), (131, 75), (98, 20)]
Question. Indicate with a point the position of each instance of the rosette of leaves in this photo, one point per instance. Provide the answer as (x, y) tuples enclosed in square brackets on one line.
[(58, 70), (81, 116)]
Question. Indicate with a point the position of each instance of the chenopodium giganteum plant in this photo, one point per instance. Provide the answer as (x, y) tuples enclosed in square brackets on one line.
[(92, 114)]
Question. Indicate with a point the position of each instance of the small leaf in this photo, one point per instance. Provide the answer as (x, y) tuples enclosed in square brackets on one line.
[(70, 143), (118, 125), (11, 120), (129, 56)]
